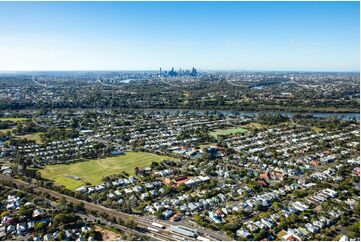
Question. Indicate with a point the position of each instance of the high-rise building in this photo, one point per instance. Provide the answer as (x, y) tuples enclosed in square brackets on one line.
[(194, 72)]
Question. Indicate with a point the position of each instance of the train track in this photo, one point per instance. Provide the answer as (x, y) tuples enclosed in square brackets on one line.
[(143, 223)]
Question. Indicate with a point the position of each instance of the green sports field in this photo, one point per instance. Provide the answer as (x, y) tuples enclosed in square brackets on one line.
[(14, 119), (92, 171), (68, 182), (217, 132)]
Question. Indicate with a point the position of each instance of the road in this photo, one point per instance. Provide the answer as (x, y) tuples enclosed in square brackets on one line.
[(90, 206), (144, 223)]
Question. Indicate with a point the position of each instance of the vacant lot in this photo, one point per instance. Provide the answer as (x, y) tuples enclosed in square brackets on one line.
[(108, 235), (92, 171), (217, 132)]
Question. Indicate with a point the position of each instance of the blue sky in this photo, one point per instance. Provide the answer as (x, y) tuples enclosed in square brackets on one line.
[(207, 35)]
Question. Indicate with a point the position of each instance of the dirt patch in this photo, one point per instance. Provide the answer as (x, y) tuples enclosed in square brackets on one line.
[(108, 235)]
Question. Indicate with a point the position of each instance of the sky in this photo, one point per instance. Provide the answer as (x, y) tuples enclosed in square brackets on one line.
[(289, 36)]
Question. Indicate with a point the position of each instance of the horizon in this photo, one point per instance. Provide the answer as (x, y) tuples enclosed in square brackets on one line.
[(176, 69), (217, 36)]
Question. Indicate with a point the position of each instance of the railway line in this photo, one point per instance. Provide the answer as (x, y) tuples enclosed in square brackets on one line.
[(157, 232)]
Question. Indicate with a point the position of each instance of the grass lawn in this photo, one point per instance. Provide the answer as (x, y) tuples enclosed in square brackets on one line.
[(33, 136), (217, 132), (68, 182), (316, 129), (92, 171), (15, 119)]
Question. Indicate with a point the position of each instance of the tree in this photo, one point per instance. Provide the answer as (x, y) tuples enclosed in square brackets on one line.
[(264, 215), (63, 218), (354, 230), (276, 205), (96, 235), (261, 234), (300, 193), (130, 224), (27, 212), (79, 207), (40, 226), (61, 236)]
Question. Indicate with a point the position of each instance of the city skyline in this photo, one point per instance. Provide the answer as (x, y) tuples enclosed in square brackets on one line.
[(255, 36)]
